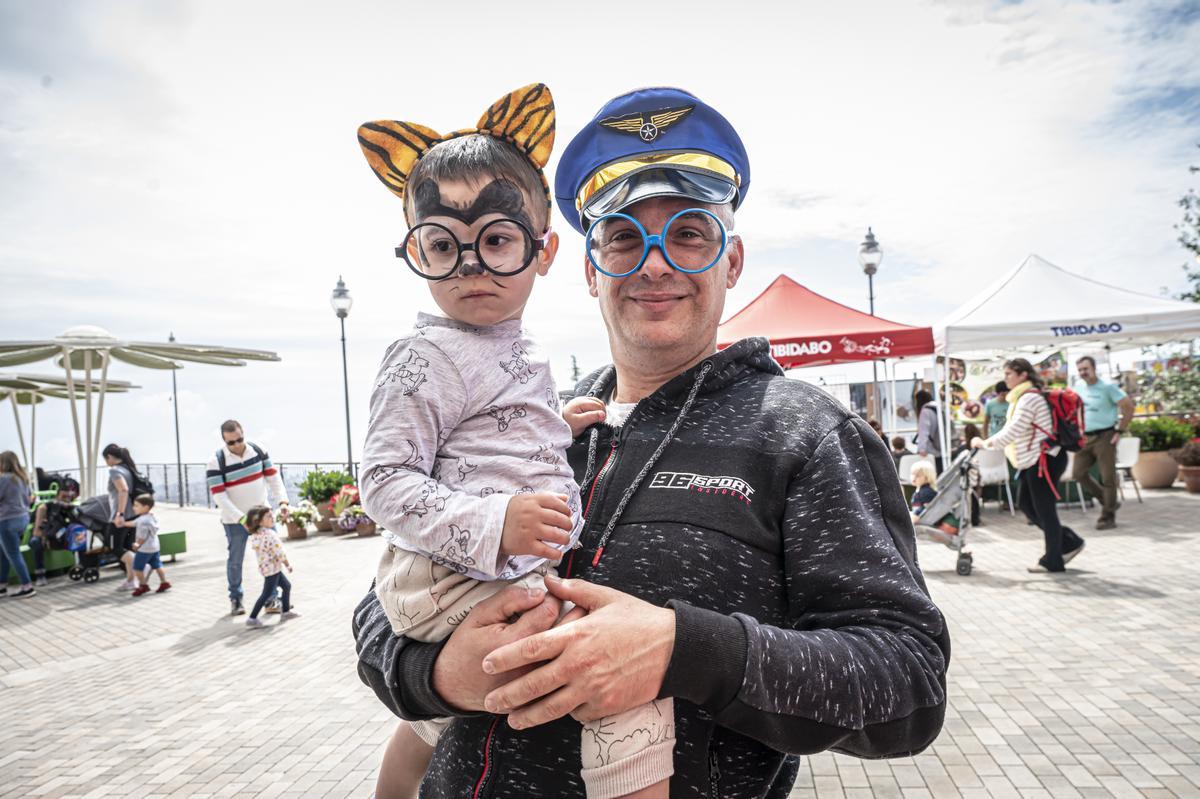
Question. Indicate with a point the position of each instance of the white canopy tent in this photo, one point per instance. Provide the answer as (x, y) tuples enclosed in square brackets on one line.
[(1039, 307)]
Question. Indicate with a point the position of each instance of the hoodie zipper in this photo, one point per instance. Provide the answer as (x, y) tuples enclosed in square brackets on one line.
[(714, 772), (485, 777), (609, 465)]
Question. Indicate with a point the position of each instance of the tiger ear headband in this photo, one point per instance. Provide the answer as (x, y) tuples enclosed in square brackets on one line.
[(524, 118)]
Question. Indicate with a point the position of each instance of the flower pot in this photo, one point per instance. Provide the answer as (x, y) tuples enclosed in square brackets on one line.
[(1155, 469), (324, 524), (296, 530), (367, 527), (1191, 478)]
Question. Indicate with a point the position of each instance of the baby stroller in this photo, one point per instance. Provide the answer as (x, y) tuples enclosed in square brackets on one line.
[(93, 514), (947, 517)]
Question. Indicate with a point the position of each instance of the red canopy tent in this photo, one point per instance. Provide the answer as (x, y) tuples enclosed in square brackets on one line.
[(807, 329)]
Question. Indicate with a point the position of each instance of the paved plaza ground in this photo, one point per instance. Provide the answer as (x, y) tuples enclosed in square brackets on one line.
[(1086, 684)]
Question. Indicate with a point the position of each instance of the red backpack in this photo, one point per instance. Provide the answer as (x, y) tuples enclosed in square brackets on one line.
[(1066, 414)]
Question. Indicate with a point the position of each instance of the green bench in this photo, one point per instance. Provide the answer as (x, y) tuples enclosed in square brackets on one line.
[(171, 544)]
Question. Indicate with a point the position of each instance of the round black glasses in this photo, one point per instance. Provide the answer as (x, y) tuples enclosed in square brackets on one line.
[(504, 247)]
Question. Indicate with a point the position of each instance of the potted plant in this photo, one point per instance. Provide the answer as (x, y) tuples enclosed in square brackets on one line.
[(1155, 468), (301, 517), (354, 518), (1188, 458), (346, 498), (319, 487)]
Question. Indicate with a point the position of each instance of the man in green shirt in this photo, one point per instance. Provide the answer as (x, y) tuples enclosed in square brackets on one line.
[(1103, 403), (996, 411)]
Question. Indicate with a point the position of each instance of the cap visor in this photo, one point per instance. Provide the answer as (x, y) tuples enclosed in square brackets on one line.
[(705, 188)]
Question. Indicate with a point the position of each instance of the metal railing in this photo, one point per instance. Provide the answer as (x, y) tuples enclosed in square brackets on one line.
[(194, 491)]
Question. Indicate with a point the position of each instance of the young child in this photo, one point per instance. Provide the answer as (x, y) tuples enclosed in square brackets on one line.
[(899, 450), (465, 457), (145, 546), (272, 560), (924, 478)]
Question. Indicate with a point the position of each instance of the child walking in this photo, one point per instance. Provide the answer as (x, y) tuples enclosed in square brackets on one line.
[(272, 560), (465, 458), (145, 546)]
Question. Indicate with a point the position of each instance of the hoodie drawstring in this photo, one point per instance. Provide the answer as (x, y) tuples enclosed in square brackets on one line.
[(662, 446)]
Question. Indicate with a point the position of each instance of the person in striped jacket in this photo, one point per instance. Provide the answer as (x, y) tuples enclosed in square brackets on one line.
[(241, 476), (1028, 424)]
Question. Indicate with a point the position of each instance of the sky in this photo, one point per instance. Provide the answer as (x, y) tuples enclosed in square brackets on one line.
[(192, 168)]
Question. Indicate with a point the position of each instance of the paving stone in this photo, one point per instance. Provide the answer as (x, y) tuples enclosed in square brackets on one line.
[(1077, 685)]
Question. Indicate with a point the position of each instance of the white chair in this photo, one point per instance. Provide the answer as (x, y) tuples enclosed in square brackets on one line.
[(993, 471), (1067, 481), (905, 467), (1128, 449)]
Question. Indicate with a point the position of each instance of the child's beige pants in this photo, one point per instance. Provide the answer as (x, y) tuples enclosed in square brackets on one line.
[(426, 601)]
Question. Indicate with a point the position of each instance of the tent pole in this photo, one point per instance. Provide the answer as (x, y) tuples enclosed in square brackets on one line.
[(87, 406), (84, 483), (20, 435), (892, 415), (947, 430)]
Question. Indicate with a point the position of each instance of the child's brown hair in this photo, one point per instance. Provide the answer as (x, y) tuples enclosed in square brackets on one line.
[(145, 500), (475, 158), (254, 517)]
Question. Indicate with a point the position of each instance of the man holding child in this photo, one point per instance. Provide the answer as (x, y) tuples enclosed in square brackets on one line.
[(745, 547)]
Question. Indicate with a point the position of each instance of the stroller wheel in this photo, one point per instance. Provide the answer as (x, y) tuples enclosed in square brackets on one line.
[(76, 573), (91, 575), (964, 565)]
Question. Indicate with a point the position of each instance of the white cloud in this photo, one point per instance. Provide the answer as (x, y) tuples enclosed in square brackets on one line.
[(196, 171)]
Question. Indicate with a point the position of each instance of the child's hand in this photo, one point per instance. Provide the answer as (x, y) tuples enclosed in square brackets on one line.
[(583, 412), (533, 522)]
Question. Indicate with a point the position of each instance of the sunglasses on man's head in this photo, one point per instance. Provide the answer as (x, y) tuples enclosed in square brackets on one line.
[(234, 442)]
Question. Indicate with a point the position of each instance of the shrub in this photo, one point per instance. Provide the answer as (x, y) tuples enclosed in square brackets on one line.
[(318, 486), (1188, 454), (1161, 433)]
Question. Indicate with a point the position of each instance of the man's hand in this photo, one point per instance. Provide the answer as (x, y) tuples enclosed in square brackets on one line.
[(535, 521), (976, 443), (1116, 436), (508, 616), (583, 412), (611, 660)]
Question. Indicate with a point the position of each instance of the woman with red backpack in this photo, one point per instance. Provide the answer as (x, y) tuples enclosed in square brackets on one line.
[(1031, 442)]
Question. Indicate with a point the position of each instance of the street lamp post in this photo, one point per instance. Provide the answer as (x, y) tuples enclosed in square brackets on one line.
[(341, 302), (869, 257)]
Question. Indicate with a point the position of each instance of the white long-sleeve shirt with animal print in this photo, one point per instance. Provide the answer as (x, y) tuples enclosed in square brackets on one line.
[(462, 419)]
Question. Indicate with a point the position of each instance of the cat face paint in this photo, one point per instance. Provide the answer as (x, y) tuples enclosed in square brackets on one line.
[(500, 197)]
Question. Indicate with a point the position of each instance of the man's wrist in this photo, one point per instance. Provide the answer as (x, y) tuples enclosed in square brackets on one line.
[(709, 657)]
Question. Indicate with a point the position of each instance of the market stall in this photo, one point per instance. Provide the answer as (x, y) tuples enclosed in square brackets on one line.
[(1038, 308)]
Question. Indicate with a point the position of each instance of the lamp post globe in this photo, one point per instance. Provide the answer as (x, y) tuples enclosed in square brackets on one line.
[(869, 254), (340, 299), (341, 302)]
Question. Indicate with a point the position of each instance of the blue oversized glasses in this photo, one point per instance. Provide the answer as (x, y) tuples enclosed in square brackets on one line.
[(692, 241)]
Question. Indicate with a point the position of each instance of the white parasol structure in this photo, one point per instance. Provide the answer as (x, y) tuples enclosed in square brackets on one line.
[(89, 349), (32, 390)]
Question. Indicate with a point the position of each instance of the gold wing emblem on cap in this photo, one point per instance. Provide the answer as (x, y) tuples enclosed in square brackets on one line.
[(525, 118), (636, 124)]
